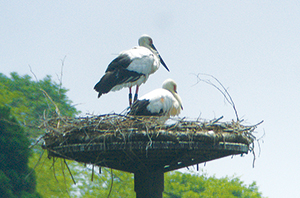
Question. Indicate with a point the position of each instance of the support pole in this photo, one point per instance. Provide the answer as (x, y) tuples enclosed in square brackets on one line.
[(149, 184)]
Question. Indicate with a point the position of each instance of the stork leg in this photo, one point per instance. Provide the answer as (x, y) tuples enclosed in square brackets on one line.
[(136, 93), (130, 97)]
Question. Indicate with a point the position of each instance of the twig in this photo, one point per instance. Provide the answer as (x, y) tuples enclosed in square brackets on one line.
[(259, 148), (225, 93), (199, 117), (70, 172), (112, 181), (61, 73), (63, 171), (254, 157), (217, 120), (38, 162), (92, 179), (33, 73), (56, 108), (37, 141), (54, 170)]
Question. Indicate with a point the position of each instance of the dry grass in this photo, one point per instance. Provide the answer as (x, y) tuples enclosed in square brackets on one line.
[(119, 128)]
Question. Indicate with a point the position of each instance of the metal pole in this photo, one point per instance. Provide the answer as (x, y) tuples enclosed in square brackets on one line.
[(149, 184)]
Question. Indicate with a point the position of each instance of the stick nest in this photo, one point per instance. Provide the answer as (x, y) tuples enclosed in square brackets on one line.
[(115, 128)]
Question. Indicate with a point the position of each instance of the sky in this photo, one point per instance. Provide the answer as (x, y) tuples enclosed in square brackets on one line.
[(251, 47)]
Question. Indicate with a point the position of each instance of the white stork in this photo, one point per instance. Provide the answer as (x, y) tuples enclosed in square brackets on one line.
[(160, 102), (131, 67)]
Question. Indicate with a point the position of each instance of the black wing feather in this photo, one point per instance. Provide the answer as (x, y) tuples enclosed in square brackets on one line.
[(139, 108), (122, 61), (116, 74), (115, 77)]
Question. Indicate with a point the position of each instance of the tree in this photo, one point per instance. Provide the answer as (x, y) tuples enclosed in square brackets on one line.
[(14, 154), (185, 185), (30, 100)]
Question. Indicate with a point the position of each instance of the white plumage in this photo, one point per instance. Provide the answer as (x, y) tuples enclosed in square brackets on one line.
[(143, 62), (132, 67), (162, 102)]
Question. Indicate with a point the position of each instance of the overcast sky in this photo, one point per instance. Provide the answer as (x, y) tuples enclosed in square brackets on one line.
[(252, 47)]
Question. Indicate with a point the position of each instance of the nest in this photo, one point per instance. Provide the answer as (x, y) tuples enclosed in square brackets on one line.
[(109, 140), (119, 128)]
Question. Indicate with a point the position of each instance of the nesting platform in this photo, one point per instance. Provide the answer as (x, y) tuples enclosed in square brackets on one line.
[(143, 146)]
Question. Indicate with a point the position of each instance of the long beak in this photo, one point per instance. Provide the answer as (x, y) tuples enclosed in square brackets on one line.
[(160, 58), (175, 94), (180, 101)]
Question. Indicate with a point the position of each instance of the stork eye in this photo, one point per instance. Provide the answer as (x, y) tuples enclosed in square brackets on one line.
[(175, 89)]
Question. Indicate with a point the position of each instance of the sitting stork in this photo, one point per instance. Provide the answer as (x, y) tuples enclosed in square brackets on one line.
[(131, 67), (160, 102)]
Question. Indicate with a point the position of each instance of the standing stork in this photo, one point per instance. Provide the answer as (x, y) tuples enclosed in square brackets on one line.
[(160, 102), (132, 67)]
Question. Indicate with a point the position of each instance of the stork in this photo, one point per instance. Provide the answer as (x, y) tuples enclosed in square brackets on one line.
[(160, 102), (132, 67)]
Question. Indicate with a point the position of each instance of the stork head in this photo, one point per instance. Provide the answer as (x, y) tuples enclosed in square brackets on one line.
[(146, 41), (171, 85)]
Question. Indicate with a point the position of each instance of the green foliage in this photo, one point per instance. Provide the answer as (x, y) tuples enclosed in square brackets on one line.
[(177, 184), (14, 155), (30, 100), (54, 180), (119, 183), (183, 185), (186, 185)]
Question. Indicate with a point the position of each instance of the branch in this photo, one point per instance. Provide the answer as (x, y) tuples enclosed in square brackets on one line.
[(223, 90)]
